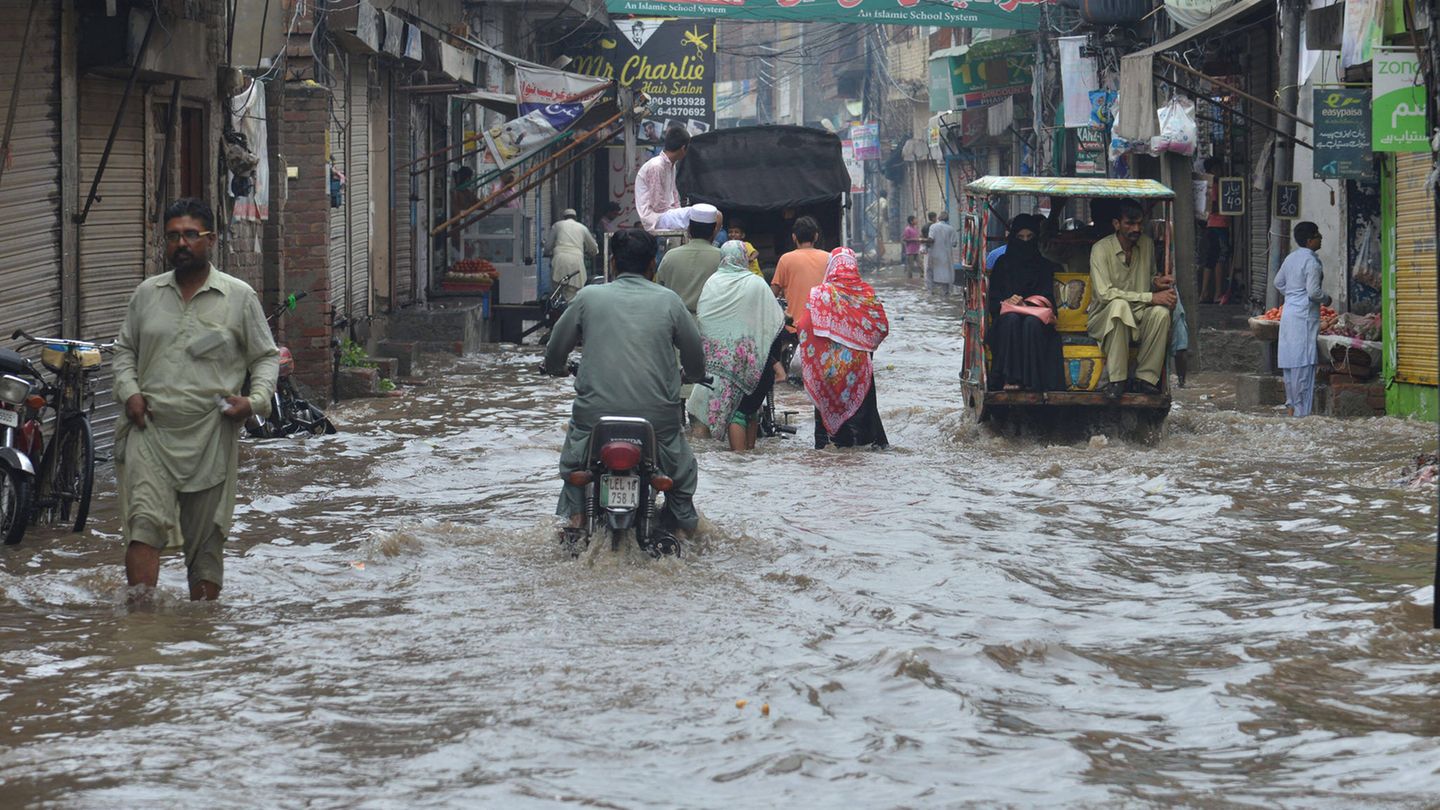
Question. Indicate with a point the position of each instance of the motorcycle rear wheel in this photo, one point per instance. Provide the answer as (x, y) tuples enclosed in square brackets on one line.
[(17, 491)]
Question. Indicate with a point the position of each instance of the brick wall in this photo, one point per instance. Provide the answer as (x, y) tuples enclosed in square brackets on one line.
[(303, 234)]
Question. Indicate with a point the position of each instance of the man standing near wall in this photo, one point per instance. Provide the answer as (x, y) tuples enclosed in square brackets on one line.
[(190, 338)]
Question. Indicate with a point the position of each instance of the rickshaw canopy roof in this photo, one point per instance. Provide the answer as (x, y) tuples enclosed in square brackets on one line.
[(1071, 187)]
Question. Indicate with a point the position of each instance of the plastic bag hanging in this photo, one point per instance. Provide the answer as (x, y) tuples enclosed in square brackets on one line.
[(1178, 132)]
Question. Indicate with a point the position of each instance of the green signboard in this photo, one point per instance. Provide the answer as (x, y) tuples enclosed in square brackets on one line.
[(1009, 14), (981, 80), (1342, 134), (1398, 112)]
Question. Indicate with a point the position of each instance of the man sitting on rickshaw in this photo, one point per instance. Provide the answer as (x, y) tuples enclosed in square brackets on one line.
[(1130, 303)]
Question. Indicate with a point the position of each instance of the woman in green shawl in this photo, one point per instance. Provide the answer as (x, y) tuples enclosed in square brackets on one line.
[(740, 322)]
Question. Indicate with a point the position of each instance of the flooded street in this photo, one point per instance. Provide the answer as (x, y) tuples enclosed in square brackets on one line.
[(1236, 615)]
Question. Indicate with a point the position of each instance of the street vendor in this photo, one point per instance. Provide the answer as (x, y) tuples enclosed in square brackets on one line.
[(1299, 280)]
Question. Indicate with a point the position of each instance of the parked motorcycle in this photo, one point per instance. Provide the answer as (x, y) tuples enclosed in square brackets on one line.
[(623, 483), (290, 413), (20, 445)]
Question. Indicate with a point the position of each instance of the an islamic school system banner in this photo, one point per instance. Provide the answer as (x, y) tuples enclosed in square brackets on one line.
[(1010, 14)]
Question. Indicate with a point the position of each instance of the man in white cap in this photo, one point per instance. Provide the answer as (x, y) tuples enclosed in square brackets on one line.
[(568, 243), (685, 269)]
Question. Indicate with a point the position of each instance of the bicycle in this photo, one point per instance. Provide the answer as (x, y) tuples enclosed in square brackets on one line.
[(66, 476)]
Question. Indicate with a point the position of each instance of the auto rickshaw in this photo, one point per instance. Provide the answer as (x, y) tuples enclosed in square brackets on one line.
[(1082, 405)]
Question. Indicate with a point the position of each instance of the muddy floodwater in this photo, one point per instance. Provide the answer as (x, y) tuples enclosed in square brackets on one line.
[(1235, 616)]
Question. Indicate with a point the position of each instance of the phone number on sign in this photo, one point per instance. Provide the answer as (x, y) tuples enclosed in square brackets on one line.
[(679, 105)]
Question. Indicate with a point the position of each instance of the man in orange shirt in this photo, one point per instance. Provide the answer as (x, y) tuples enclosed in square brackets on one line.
[(800, 270)]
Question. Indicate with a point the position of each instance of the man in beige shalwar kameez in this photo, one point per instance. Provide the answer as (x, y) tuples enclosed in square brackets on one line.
[(1128, 302), (190, 337)]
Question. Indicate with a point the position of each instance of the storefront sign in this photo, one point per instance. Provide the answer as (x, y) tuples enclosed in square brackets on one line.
[(1231, 196), (1089, 152), (550, 102), (1342, 134), (855, 168), (866, 138), (1398, 115), (1287, 201), (671, 61), (1008, 14), (979, 81)]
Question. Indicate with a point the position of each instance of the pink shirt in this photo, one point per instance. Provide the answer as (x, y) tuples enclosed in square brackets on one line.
[(911, 238), (655, 191)]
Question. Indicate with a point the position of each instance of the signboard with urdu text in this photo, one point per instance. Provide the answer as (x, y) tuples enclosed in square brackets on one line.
[(1006, 14), (866, 138), (1231, 196), (1287, 201), (1398, 112), (1342, 134)]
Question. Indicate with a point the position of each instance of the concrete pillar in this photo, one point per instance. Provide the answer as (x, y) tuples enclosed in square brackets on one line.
[(1175, 172), (304, 235)]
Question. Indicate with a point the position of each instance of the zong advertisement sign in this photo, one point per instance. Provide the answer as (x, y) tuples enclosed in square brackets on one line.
[(1397, 122)]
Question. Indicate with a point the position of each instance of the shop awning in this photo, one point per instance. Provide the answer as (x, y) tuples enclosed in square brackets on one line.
[(504, 103), (1137, 73), (1070, 187)]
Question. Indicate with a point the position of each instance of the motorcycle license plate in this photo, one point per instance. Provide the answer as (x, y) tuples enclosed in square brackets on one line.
[(9, 418), (619, 491)]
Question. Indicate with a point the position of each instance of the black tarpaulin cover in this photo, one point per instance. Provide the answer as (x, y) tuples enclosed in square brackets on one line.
[(762, 168)]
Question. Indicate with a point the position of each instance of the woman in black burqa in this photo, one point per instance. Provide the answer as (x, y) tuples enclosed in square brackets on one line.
[(1025, 351)]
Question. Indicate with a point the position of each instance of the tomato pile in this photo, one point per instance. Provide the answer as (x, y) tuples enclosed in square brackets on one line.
[(474, 269), (1363, 327), (1326, 314)]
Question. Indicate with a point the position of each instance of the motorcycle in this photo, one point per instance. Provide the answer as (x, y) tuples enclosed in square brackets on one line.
[(290, 413), (623, 483), (20, 444), (770, 425)]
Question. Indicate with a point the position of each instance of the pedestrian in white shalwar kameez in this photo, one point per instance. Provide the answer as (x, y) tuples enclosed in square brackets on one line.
[(1299, 280), (940, 261)]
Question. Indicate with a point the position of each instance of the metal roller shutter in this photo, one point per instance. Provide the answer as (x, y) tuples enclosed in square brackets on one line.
[(1416, 355), (112, 238), (1260, 84), (404, 226), (338, 246), (358, 209), (30, 188)]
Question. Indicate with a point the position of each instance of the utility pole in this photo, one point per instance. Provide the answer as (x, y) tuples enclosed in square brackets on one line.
[(1283, 164)]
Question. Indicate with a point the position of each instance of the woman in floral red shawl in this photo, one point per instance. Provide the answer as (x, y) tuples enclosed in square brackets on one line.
[(842, 325)]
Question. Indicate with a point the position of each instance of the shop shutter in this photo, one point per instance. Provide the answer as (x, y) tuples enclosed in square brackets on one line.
[(30, 188), (1259, 83), (358, 211), (339, 248), (1417, 355), (112, 238), (403, 227)]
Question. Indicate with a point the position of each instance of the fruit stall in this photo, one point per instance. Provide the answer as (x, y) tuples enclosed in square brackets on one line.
[(1350, 343)]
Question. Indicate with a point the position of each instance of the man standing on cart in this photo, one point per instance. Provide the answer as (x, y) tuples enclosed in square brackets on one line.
[(657, 200), (1130, 303)]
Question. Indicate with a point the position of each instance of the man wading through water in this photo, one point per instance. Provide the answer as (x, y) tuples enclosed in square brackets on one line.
[(190, 337)]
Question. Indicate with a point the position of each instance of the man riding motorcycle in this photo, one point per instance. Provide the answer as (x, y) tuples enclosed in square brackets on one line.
[(632, 329)]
